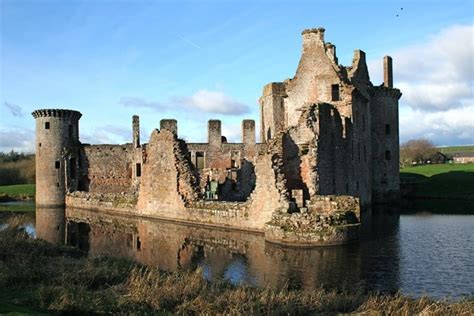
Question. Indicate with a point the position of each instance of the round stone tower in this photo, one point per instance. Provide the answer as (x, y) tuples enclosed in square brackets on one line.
[(57, 153)]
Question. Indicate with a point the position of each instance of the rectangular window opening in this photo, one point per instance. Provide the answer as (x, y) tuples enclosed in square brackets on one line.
[(387, 155), (57, 164), (46, 125), (387, 129), (199, 160), (138, 169), (70, 131), (72, 168), (335, 92), (139, 243)]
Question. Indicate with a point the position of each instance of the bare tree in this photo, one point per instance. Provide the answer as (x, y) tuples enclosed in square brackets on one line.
[(417, 151)]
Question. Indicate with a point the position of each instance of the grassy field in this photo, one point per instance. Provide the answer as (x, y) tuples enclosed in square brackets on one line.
[(445, 181), (62, 280), (455, 149), (17, 192)]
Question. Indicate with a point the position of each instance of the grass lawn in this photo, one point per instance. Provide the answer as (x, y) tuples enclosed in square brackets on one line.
[(18, 191), (448, 181)]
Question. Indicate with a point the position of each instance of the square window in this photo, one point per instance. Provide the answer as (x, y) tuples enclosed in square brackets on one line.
[(387, 129), (387, 155), (46, 125)]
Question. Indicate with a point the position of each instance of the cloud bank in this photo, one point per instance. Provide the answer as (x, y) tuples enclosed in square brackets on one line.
[(21, 140), (436, 77)]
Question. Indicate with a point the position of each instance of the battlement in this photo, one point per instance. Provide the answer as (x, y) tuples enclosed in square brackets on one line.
[(314, 30), (72, 114), (312, 37), (383, 91)]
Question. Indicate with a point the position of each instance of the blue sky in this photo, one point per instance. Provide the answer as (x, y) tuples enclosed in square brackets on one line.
[(196, 60)]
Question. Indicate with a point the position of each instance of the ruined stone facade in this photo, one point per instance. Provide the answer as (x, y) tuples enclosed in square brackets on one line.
[(329, 139)]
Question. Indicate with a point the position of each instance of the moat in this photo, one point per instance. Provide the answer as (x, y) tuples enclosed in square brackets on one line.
[(419, 254)]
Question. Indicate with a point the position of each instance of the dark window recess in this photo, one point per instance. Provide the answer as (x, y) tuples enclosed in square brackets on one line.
[(57, 164), (57, 184), (387, 129), (199, 160), (357, 185), (363, 123), (335, 92), (234, 186), (138, 170), (70, 131), (46, 125), (387, 155), (39, 145), (72, 168), (139, 243)]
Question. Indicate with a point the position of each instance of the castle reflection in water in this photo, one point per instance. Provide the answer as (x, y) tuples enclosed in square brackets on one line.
[(237, 256)]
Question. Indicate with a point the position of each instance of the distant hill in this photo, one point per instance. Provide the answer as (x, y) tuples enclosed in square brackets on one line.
[(451, 150)]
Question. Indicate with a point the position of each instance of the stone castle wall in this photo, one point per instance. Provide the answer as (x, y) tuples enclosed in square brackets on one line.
[(327, 131), (106, 168)]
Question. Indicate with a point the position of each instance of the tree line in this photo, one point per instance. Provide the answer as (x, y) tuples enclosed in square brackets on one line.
[(419, 151), (17, 168)]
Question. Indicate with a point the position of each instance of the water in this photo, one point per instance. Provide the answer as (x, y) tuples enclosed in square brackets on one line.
[(415, 254), (14, 209)]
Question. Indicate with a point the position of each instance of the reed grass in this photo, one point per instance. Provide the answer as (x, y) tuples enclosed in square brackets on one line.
[(61, 279)]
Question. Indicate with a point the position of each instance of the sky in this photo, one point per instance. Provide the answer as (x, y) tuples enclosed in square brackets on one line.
[(200, 60)]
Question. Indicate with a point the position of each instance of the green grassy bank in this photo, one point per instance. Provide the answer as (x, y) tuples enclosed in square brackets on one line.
[(444, 181), (52, 279), (17, 192)]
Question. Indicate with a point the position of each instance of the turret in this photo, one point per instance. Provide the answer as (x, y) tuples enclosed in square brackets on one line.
[(385, 138), (57, 154)]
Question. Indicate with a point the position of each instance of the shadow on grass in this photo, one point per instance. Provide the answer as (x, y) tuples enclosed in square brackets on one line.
[(455, 185)]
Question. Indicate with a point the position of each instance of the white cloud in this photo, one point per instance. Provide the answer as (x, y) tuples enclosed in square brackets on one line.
[(202, 101), (108, 135), (438, 74), (436, 77), (214, 102), (135, 102), (18, 139), (451, 127)]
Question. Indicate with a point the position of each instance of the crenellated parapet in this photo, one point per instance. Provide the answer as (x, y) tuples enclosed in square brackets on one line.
[(383, 91), (70, 114)]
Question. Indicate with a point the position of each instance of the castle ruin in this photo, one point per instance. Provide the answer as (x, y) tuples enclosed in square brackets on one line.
[(329, 146)]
